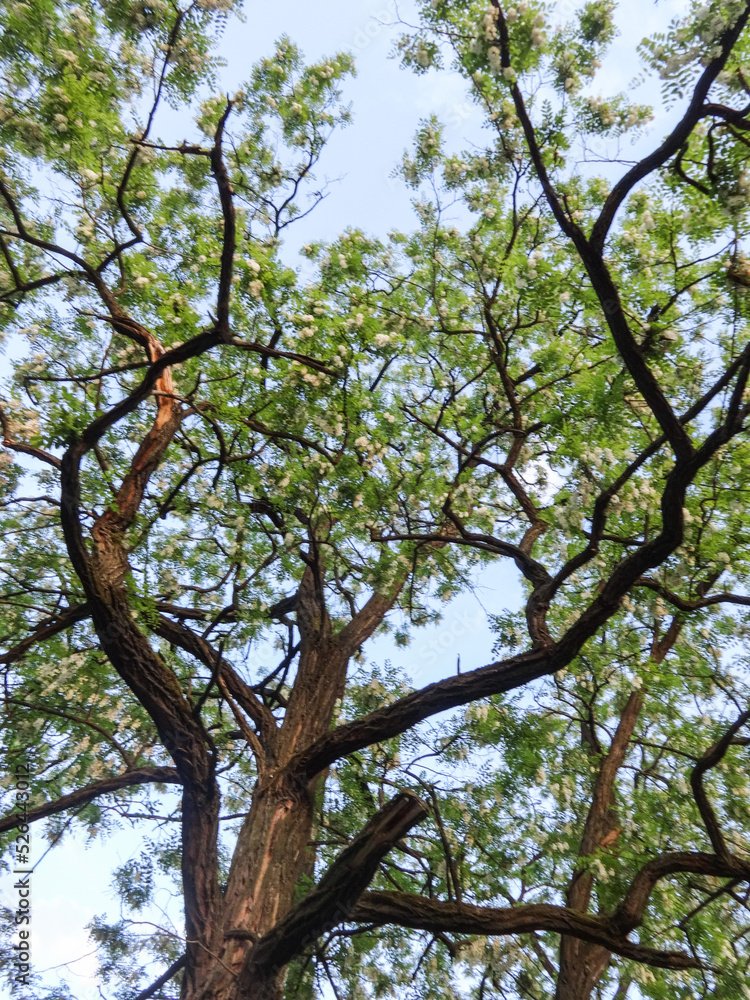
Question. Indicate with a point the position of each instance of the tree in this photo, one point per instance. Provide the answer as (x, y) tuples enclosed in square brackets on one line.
[(211, 454)]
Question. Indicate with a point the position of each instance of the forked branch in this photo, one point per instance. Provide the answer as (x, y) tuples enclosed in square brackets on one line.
[(334, 898)]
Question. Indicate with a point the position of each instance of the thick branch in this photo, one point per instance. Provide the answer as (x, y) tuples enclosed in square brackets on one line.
[(46, 629), (407, 712), (333, 899), (582, 963), (370, 616), (601, 815), (82, 796), (421, 913), (675, 140), (102, 573), (629, 913), (190, 349)]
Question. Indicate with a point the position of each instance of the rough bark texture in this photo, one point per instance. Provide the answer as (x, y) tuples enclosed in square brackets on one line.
[(240, 938), (582, 962), (332, 901)]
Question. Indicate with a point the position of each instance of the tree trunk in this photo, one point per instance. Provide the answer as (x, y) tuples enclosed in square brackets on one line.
[(273, 849), (581, 967)]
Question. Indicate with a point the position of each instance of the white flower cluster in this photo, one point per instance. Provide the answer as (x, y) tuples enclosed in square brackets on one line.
[(714, 19), (608, 115), (220, 6), (489, 24), (455, 169), (513, 13), (711, 21), (22, 422)]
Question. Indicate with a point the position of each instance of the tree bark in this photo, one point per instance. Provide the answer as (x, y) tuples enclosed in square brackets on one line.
[(332, 901), (272, 850), (582, 963)]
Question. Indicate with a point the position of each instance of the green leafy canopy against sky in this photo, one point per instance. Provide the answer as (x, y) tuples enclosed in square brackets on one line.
[(227, 468)]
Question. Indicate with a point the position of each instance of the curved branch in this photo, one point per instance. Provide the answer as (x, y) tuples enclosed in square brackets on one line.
[(333, 899), (708, 760), (629, 914), (22, 447), (196, 646), (70, 486), (682, 604), (46, 629), (132, 159), (590, 250), (433, 915), (675, 140), (273, 352), (531, 569), (82, 796)]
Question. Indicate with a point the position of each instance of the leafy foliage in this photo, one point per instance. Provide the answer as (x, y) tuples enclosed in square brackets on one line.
[(226, 470)]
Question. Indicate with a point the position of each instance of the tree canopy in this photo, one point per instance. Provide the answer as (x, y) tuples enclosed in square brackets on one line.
[(226, 469)]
